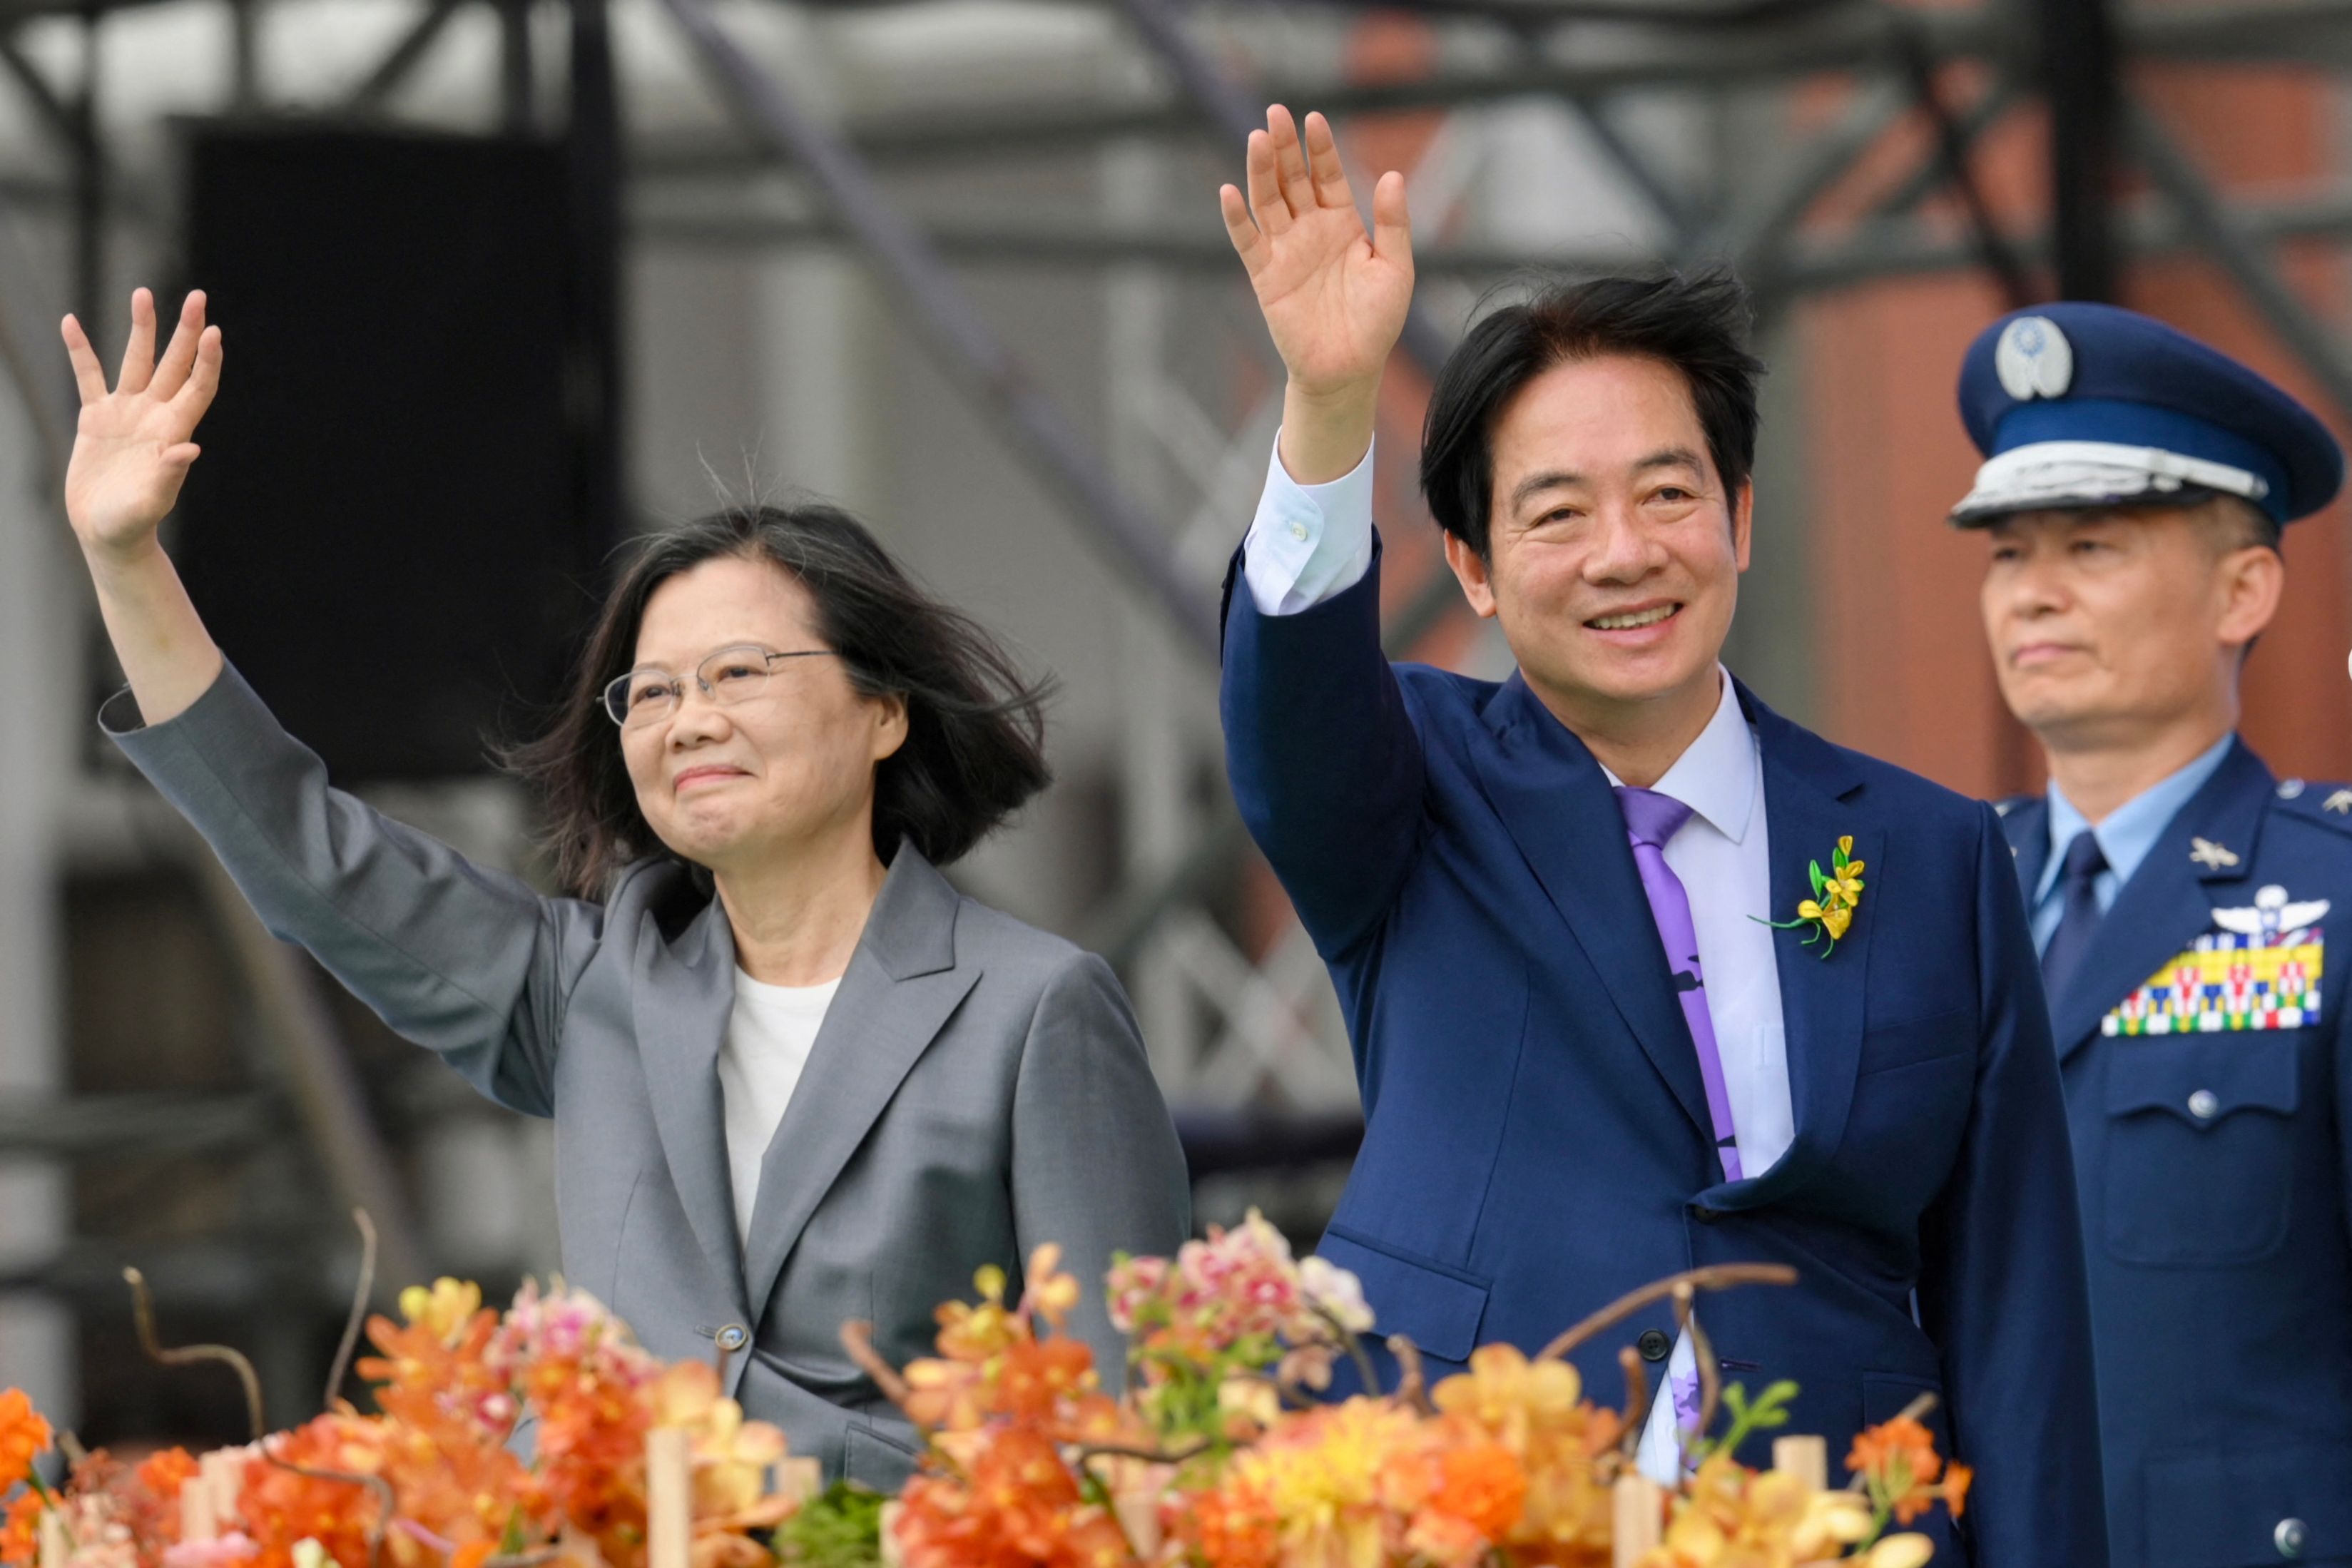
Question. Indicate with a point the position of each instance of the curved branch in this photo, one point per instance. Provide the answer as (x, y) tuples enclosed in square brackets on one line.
[(1413, 1380), (142, 1315), (361, 1295), (1715, 1277), (1710, 1374), (1148, 1455), (142, 1312), (1637, 1401)]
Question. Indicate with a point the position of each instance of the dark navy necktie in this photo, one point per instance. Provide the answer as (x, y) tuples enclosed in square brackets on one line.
[(2078, 921)]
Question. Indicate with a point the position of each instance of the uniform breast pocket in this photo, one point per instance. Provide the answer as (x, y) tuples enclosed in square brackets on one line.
[(2198, 1150)]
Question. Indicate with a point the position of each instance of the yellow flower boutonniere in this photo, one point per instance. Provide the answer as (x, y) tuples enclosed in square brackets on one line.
[(1837, 893)]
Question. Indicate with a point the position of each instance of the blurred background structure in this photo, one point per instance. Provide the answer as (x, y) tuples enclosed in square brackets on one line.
[(505, 282)]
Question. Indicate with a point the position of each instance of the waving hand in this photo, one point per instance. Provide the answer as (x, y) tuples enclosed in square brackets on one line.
[(133, 443), (1334, 297)]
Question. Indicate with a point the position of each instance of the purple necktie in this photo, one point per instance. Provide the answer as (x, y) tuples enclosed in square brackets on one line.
[(1651, 819)]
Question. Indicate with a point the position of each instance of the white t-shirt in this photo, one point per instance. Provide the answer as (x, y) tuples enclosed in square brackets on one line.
[(769, 1034)]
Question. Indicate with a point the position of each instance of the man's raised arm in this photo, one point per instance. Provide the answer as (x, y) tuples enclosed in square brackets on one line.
[(1324, 761)]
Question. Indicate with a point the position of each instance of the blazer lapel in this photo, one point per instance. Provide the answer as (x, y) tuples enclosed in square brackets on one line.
[(901, 987), (2027, 828), (1808, 805), (683, 995), (1557, 804), (2169, 900)]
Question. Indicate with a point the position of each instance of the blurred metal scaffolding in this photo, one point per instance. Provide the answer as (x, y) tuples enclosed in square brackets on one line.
[(1239, 1023)]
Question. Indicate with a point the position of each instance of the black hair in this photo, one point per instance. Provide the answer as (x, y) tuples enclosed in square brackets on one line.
[(1697, 322), (975, 729)]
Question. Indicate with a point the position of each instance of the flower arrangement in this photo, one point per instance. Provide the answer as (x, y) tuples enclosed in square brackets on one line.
[(1217, 1453), (1219, 1448), (429, 1480)]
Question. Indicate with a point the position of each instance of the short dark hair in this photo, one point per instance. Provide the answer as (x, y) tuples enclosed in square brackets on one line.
[(2233, 523), (975, 728), (1696, 322)]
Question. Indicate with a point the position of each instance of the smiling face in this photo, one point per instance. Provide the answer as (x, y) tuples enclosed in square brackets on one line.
[(730, 785), (1613, 549), (2109, 625)]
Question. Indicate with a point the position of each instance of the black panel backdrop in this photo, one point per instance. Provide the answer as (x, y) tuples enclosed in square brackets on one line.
[(387, 529)]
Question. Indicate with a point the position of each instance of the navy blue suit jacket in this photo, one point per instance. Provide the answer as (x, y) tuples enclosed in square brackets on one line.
[(1536, 1132), (2220, 1267)]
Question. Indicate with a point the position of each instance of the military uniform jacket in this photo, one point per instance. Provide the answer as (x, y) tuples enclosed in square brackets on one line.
[(2203, 1047)]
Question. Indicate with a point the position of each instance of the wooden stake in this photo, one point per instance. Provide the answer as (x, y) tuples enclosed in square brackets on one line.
[(223, 1473), (1805, 1457), (669, 1496), (800, 1479), (1638, 1518), (54, 1550), (197, 1519), (1139, 1516), (890, 1558)]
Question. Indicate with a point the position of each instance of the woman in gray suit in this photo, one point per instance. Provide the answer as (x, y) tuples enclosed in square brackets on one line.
[(796, 1078)]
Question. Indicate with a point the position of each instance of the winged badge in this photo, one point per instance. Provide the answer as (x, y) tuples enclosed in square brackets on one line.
[(2272, 916)]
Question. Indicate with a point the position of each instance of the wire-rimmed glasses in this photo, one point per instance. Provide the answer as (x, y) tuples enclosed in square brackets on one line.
[(733, 674)]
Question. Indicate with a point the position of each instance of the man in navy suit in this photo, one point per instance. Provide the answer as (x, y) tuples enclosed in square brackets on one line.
[(2134, 490), (1586, 1058)]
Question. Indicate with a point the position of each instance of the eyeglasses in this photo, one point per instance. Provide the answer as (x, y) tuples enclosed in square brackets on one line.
[(732, 675)]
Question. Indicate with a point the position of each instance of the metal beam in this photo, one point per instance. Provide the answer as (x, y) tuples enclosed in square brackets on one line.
[(1237, 115), (2272, 32), (2234, 248), (1883, 248), (111, 1126), (49, 106), (376, 90), (957, 334), (2079, 77)]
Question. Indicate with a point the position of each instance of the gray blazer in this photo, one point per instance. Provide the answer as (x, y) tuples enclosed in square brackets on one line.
[(978, 1087)]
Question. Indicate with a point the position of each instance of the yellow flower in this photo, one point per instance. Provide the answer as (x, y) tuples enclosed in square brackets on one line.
[(1898, 1551), (1835, 918), (1052, 1292), (444, 1309), (1509, 1395), (732, 1457)]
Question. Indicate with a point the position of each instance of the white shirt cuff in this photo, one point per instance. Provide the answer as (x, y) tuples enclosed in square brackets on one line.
[(1308, 542)]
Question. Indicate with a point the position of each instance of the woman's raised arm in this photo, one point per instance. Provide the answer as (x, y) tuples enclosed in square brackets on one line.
[(132, 450)]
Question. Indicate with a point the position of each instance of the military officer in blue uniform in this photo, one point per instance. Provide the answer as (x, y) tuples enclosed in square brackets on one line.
[(2187, 904)]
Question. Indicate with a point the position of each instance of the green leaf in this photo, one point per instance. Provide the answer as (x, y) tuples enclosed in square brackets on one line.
[(516, 1538), (1838, 856), (840, 1528), (1813, 868)]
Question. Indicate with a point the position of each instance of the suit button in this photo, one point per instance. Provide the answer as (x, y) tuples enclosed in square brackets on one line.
[(2205, 1105), (1705, 1215), (1653, 1346), (2290, 1537), (733, 1337)]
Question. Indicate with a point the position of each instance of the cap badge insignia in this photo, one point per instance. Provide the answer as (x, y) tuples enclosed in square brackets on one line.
[(2033, 359), (2211, 855), (2339, 803), (2262, 969)]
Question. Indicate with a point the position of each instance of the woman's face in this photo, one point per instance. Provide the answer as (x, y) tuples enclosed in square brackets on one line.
[(777, 775)]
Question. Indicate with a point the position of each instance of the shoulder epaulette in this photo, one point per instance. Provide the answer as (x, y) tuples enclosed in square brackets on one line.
[(2328, 803)]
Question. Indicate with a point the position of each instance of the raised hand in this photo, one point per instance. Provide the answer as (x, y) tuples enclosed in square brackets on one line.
[(1334, 297), (133, 446)]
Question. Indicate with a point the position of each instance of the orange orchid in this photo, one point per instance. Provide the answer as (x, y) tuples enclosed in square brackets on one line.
[(1897, 1461), (20, 1531), (25, 1435)]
